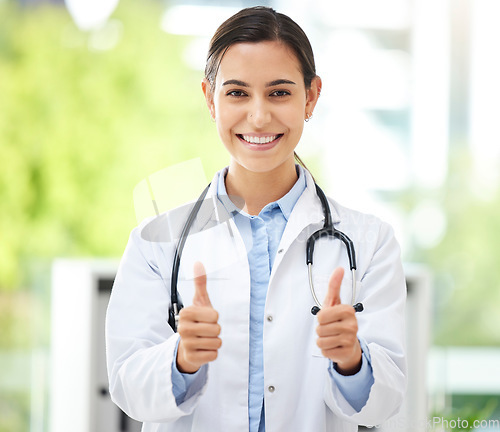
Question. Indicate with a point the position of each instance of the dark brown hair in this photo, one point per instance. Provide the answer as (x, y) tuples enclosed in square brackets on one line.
[(259, 24)]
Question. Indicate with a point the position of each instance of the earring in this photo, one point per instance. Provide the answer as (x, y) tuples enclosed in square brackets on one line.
[(308, 117)]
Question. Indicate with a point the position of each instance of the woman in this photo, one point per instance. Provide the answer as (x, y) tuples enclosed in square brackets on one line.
[(248, 354)]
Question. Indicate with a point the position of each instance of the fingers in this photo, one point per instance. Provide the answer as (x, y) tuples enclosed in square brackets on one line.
[(198, 327), (332, 297), (337, 337), (200, 286), (337, 315), (199, 315), (199, 338)]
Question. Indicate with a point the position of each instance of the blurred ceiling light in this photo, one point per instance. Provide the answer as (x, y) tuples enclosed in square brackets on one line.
[(381, 14), (428, 224), (484, 97), (374, 153), (90, 14), (195, 53), (430, 92), (106, 37), (365, 75), (195, 20)]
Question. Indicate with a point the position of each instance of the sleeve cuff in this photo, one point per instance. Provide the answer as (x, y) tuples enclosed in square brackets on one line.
[(181, 382), (355, 388)]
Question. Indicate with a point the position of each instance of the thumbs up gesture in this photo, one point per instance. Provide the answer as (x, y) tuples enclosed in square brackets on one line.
[(198, 328), (338, 328)]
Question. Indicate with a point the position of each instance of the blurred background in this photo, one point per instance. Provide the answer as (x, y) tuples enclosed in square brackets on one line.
[(97, 95)]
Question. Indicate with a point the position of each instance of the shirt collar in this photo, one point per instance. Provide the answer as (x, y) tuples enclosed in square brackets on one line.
[(285, 203)]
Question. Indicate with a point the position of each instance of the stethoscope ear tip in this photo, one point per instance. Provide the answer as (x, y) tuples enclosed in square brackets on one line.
[(358, 307)]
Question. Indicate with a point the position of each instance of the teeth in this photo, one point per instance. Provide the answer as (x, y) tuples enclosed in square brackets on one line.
[(259, 140)]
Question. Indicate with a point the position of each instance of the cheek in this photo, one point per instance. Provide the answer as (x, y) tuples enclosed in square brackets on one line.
[(294, 120), (294, 113), (227, 117), (225, 123)]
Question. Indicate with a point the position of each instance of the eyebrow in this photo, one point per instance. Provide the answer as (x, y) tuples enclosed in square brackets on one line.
[(269, 84)]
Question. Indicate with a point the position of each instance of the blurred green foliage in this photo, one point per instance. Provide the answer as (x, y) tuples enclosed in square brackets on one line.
[(465, 264), (467, 408), (15, 411), (80, 127)]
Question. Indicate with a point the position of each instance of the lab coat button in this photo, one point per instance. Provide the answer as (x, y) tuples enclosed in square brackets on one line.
[(280, 251), (270, 318), (271, 389)]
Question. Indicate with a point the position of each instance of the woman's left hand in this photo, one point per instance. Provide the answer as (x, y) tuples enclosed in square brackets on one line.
[(338, 328)]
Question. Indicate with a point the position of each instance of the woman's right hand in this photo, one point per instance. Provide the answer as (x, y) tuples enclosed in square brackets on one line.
[(198, 328)]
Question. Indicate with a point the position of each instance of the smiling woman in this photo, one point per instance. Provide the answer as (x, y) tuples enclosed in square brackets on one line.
[(248, 355), (260, 112)]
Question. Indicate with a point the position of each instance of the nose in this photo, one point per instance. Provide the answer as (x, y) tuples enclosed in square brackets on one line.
[(259, 113)]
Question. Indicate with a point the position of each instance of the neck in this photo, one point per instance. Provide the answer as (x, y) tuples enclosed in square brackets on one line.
[(257, 189)]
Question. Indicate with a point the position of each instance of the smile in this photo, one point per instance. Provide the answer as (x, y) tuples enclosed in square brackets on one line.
[(259, 140)]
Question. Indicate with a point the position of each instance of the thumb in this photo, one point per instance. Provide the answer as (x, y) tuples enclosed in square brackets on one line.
[(332, 297), (200, 286)]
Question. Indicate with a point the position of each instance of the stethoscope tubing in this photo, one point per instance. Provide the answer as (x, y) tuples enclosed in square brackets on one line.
[(328, 230), (176, 305)]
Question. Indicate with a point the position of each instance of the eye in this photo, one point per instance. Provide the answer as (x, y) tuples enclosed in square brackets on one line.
[(236, 93), (280, 93)]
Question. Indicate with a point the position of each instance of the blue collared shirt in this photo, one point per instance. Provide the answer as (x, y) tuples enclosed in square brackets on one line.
[(261, 235)]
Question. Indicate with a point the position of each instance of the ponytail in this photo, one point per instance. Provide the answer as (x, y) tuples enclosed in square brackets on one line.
[(300, 162)]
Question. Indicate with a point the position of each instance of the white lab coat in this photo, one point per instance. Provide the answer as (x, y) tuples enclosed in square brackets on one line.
[(299, 394)]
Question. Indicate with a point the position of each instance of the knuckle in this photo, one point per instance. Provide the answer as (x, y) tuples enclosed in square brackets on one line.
[(188, 345), (323, 316), (215, 315), (321, 343), (187, 314), (183, 314), (185, 329), (321, 331), (181, 329)]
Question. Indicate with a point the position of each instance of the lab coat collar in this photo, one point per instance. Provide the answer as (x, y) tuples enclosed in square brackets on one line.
[(307, 210), (286, 203)]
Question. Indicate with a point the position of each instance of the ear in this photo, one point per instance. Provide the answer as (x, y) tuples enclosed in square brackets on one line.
[(209, 97), (312, 95)]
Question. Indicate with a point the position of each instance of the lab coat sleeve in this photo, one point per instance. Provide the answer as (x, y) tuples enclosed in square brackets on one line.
[(381, 325), (139, 342)]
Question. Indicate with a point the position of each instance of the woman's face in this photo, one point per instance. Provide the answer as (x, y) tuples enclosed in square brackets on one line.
[(259, 102)]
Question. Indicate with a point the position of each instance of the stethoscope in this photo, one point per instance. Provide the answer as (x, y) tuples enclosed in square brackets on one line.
[(328, 230)]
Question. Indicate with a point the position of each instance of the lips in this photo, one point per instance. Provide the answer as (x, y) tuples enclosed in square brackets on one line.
[(253, 139), (259, 142)]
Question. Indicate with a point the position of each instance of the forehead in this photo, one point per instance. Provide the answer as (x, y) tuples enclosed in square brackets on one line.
[(260, 61)]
